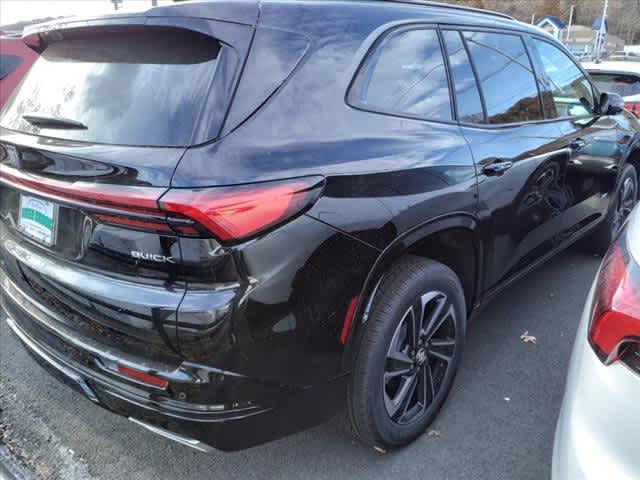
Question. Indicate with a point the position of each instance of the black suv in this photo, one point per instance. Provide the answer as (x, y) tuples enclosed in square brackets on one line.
[(224, 219)]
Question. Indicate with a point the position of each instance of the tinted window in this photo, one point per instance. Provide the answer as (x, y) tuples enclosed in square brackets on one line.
[(8, 63), (570, 90), (140, 86), (468, 103), (506, 77), (405, 75), (625, 85)]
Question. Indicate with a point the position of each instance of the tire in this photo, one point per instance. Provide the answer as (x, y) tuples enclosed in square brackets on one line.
[(376, 407), (625, 199)]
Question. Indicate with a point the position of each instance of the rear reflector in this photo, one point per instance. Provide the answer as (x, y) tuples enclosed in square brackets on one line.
[(235, 213), (142, 377), (348, 320), (615, 319)]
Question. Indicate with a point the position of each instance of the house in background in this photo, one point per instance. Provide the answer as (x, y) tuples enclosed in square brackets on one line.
[(580, 41), (553, 26)]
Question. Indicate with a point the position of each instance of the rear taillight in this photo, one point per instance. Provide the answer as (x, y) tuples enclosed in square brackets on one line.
[(234, 213), (614, 331), (228, 213), (633, 107)]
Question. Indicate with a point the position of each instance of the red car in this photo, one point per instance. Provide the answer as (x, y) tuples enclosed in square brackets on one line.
[(15, 60)]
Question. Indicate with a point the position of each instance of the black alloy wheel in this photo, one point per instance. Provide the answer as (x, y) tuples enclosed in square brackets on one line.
[(408, 352), (419, 356)]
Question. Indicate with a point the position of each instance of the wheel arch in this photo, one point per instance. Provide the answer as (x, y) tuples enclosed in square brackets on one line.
[(441, 239)]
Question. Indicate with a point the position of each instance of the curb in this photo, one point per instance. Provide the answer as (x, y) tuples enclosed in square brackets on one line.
[(11, 468)]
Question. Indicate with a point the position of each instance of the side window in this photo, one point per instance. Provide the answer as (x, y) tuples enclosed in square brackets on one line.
[(506, 77), (406, 75), (468, 103), (8, 63), (569, 89)]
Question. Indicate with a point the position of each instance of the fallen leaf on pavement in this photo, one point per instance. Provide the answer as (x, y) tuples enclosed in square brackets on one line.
[(433, 433), (526, 338), (380, 450)]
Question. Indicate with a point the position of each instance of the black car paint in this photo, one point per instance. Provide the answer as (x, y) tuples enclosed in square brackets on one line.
[(254, 328)]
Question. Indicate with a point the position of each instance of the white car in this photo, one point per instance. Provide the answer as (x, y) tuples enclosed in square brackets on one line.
[(622, 55), (622, 78), (598, 434)]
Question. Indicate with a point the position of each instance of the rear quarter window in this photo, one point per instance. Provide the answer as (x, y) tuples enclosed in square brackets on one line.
[(405, 75), (128, 86)]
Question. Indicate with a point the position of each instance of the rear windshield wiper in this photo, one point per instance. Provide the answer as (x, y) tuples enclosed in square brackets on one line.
[(49, 121)]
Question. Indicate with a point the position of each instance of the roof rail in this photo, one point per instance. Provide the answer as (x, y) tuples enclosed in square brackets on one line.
[(453, 6)]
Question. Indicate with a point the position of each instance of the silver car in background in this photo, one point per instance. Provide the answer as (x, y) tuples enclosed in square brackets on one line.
[(598, 431)]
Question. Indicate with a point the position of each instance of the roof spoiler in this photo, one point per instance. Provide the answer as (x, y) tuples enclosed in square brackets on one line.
[(181, 15)]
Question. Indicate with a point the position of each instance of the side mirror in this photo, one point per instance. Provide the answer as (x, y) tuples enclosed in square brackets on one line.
[(611, 103)]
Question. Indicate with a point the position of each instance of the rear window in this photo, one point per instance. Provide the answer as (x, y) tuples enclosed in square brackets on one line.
[(8, 63), (625, 85), (133, 86)]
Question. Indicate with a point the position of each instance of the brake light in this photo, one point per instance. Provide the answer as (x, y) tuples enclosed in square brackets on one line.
[(229, 213), (615, 318), (633, 107), (234, 213)]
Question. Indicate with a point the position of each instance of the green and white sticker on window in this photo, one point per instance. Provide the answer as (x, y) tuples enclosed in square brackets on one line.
[(37, 219)]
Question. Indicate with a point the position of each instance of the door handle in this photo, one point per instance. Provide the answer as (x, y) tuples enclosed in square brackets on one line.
[(577, 144), (497, 167)]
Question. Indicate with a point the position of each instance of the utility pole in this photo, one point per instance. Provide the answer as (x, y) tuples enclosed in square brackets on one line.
[(601, 36), (533, 18), (116, 3), (573, 7)]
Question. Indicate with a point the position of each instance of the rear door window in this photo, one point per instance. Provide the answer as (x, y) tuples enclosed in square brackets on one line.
[(405, 75), (137, 86), (8, 63), (467, 95), (620, 83), (506, 77)]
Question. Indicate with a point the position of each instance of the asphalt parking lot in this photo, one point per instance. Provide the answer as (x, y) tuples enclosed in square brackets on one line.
[(497, 424)]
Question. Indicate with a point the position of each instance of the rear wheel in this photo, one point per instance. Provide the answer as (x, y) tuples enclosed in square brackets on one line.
[(626, 197), (409, 353)]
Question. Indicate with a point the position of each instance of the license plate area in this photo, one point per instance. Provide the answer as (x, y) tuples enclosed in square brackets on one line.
[(38, 219)]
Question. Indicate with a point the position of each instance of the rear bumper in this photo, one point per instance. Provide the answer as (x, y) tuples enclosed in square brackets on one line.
[(250, 364), (597, 435), (229, 422)]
